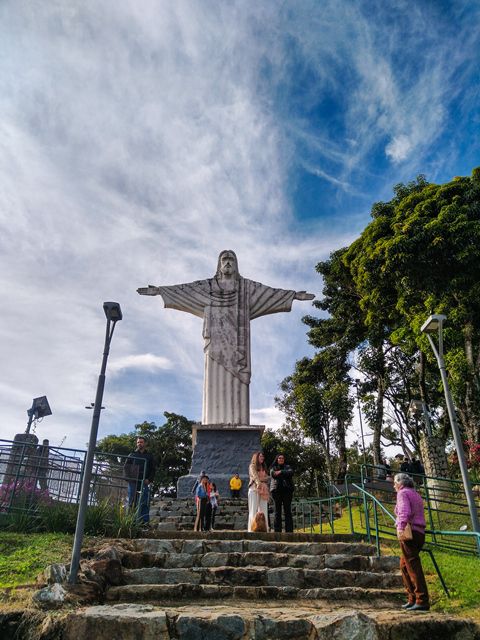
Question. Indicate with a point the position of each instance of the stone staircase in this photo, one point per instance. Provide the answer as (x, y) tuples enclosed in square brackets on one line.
[(234, 585), (179, 515), (225, 565)]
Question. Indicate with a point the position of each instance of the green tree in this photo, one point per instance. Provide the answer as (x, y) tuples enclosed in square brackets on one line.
[(315, 397), (421, 254), (302, 454), (170, 444)]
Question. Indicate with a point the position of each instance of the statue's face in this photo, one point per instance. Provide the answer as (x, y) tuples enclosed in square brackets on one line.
[(228, 264)]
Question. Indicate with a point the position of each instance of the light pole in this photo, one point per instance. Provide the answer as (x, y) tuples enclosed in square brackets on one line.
[(114, 314), (356, 382), (431, 326)]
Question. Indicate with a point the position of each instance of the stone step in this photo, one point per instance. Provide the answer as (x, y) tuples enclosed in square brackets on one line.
[(176, 526), (297, 536), (188, 591), (269, 620), (199, 543), (172, 560), (260, 576), (191, 518)]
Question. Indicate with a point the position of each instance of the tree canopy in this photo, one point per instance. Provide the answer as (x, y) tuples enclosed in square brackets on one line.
[(419, 255), (170, 444)]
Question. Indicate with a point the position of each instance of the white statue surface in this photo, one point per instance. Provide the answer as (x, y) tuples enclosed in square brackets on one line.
[(227, 302)]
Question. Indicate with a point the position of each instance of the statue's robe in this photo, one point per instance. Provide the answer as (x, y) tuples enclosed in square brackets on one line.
[(226, 310)]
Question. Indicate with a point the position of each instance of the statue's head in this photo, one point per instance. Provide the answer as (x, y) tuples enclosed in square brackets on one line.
[(227, 266)]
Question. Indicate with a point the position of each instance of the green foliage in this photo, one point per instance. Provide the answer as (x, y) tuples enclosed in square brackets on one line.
[(304, 456), (419, 255), (58, 517), (170, 444), (24, 556)]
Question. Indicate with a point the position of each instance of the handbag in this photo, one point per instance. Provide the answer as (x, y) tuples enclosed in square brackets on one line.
[(407, 532)]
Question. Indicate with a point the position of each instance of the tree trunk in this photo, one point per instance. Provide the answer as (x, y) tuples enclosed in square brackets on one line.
[(470, 417)]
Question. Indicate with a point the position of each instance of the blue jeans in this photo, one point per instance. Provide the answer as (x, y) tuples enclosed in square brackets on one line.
[(142, 504)]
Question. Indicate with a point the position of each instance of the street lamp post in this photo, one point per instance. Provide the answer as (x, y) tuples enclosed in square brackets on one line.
[(355, 382), (431, 326), (114, 314)]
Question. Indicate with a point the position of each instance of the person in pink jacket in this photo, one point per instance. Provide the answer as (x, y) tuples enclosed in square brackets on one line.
[(409, 510)]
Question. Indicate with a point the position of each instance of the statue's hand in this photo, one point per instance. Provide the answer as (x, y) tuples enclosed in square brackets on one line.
[(303, 295), (148, 291)]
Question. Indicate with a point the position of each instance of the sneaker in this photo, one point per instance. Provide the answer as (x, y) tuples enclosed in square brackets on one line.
[(420, 607), (408, 605)]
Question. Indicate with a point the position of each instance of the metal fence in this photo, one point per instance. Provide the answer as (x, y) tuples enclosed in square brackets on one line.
[(446, 509), (32, 473)]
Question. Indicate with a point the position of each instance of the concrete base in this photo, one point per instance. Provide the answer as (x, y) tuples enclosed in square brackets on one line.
[(221, 450)]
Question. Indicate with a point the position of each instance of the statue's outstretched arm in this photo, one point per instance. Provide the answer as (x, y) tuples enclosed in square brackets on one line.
[(149, 291), (303, 295)]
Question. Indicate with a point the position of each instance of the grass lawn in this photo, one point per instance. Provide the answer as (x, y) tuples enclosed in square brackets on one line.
[(24, 555)]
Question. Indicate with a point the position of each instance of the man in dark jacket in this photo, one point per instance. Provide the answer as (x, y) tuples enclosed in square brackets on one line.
[(281, 487), (139, 471)]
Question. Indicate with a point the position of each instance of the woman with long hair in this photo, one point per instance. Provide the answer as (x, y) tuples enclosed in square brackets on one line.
[(201, 494), (258, 491)]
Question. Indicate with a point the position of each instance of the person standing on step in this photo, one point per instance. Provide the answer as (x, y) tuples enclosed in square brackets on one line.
[(235, 486), (201, 495), (258, 492), (139, 469), (281, 488), (411, 534), (213, 502)]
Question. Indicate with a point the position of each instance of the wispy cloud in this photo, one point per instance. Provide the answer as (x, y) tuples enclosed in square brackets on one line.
[(145, 361), (137, 140)]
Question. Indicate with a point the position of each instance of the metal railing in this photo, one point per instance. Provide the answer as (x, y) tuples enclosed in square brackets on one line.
[(32, 474), (446, 508)]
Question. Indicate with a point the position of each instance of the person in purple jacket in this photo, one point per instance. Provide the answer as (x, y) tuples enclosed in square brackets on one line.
[(409, 509)]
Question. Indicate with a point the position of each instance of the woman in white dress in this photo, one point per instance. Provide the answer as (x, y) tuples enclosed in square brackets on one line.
[(258, 489)]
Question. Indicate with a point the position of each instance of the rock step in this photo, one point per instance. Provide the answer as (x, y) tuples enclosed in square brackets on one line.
[(270, 621), (201, 543), (138, 560), (186, 526), (191, 510), (245, 535), (190, 517), (262, 577), (188, 591)]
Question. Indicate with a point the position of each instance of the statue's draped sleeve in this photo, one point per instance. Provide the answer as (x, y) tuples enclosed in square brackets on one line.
[(191, 297), (266, 300)]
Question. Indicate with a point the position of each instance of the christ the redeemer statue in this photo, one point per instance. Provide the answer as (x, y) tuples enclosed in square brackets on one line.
[(227, 302)]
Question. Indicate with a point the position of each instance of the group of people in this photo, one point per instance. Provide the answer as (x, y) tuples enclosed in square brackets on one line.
[(276, 484), (206, 500)]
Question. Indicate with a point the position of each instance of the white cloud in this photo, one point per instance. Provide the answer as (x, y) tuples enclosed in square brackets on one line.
[(145, 361), (399, 148), (137, 140), (271, 417)]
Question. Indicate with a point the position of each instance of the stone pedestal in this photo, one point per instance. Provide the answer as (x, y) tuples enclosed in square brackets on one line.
[(21, 459), (221, 450)]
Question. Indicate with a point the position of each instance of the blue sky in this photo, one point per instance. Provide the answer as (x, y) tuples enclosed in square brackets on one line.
[(137, 140)]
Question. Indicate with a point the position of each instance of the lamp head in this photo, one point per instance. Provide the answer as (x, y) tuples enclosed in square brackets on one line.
[(433, 323), (112, 311)]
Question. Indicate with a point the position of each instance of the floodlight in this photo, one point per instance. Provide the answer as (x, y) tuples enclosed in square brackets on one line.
[(40, 408), (112, 311), (433, 323)]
